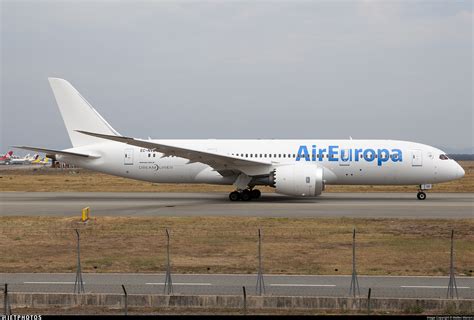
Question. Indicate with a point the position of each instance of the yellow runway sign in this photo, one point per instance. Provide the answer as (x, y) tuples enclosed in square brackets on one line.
[(86, 214)]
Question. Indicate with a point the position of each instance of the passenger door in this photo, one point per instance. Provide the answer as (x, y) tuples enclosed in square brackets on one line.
[(416, 158), (128, 157)]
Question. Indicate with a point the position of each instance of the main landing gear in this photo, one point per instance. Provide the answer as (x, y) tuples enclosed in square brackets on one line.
[(245, 195)]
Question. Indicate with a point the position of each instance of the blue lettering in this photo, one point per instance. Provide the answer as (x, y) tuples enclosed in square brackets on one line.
[(346, 155), (397, 155), (369, 155), (321, 154), (302, 152), (333, 153), (313, 153), (382, 156)]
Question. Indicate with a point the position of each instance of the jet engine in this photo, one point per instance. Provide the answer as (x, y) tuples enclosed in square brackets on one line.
[(301, 180)]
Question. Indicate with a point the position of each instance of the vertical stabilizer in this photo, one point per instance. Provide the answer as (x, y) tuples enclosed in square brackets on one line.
[(78, 114)]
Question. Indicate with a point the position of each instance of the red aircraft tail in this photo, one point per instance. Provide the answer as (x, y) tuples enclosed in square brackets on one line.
[(7, 155)]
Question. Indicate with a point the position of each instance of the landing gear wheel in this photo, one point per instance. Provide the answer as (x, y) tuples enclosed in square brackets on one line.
[(255, 193), (234, 196), (246, 195), (421, 195)]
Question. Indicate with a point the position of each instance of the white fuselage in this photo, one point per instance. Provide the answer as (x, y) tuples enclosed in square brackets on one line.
[(293, 167), (344, 162)]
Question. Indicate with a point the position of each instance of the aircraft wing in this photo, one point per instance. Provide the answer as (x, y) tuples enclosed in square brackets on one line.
[(220, 163), (61, 152)]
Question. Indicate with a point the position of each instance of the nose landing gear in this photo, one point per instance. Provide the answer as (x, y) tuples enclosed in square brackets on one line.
[(245, 195), (421, 195)]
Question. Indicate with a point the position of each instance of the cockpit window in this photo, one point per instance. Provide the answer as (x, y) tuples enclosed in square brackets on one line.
[(443, 157)]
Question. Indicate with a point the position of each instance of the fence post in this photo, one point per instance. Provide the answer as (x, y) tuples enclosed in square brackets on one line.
[(6, 302), (354, 281), (260, 281), (452, 287), (78, 284), (245, 300), (126, 299), (368, 301), (168, 282)]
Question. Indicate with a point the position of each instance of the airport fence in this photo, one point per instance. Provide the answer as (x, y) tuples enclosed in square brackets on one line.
[(230, 245), (299, 246)]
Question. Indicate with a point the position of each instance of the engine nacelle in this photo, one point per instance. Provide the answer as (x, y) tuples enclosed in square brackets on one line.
[(301, 180)]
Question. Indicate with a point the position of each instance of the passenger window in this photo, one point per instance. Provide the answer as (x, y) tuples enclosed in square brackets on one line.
[(308, 179), (149, 155)]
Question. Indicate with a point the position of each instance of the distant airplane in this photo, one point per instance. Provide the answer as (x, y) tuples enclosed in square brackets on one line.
[(42, 161), (25, 160), (6, 157), (298, 168)]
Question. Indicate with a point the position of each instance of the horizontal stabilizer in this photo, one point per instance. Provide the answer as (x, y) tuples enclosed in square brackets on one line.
[(51, 151)]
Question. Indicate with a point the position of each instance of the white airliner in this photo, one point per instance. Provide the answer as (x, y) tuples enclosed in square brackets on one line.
[(299, 168), (25, 160)]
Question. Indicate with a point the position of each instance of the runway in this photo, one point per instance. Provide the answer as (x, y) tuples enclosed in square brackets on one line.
[(363, 205), (293, 285)]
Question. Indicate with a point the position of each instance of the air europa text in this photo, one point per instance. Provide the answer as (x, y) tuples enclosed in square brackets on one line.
[(335, 153)]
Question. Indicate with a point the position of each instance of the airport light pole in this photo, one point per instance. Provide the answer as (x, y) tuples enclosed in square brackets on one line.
[(452, 286), (168, 289), (78, 284), (260, 282), (354, 281)]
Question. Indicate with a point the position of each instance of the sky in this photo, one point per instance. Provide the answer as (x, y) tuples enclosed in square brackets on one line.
[(242, 69)]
